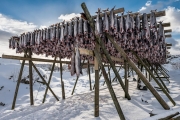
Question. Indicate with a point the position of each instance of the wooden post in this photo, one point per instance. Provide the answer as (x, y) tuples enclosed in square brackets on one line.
[(31, 78), (62, 83), (49, 80), (89, 72), (125, 76), (96, 92), (100, 42), (18, 81), (44, 81), (75, 85), (143, 78), (109, 68), (159, 84), (112, 93)]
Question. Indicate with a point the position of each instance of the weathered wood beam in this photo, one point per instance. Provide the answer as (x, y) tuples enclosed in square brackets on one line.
[(157, 14), (90, 52), (167, 31), (168, 35), (166, 24), (143, 78), (168, 47), (119, 10), (168, 44)]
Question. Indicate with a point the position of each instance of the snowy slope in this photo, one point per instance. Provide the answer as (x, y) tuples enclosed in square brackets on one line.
[(80, 106)]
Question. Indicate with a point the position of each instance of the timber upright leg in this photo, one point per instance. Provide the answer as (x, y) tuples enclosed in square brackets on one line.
[(125, 77), (62, 83), (89, 72), (75, 85), (18, 82), (96, 97), (31, 78)]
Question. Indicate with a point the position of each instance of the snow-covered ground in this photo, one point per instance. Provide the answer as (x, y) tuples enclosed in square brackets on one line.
[(80, 106)]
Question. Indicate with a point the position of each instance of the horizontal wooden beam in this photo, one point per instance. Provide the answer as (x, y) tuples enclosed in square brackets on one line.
[(157, 14), (166, 24), (33, 59), (167, 31), (91, 53), (168, 35), (168, 44), (86, 52), (119, 10), (168, 47)]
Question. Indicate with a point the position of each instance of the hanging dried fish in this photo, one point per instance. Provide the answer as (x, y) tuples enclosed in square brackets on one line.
[(145, 26), (73, 70), (122, 25), (106, 21), (78, 62), (112, 18), (97, 25), (70, 30)]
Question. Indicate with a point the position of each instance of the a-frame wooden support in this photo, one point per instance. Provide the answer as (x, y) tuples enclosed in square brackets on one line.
[(143, 78), (156, 80), (52, 69), (98, 58), (18, 81), (20, 76)]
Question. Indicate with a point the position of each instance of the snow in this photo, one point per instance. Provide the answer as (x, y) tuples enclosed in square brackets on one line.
[(80, 105)]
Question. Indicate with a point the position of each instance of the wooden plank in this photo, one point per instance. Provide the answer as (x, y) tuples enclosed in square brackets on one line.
[(168, 47), (168, 35), (165, 24), (119, 10), (157, 14), (168, 44), (168, 30), (143, 78), (86, 52)]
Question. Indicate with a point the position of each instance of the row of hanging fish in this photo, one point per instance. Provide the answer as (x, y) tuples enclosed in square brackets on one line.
[(129, 31)]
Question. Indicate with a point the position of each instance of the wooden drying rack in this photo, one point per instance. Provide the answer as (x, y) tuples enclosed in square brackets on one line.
[(97, 64)]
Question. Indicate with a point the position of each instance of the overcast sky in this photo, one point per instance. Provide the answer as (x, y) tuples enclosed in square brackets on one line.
[(18, 16)]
